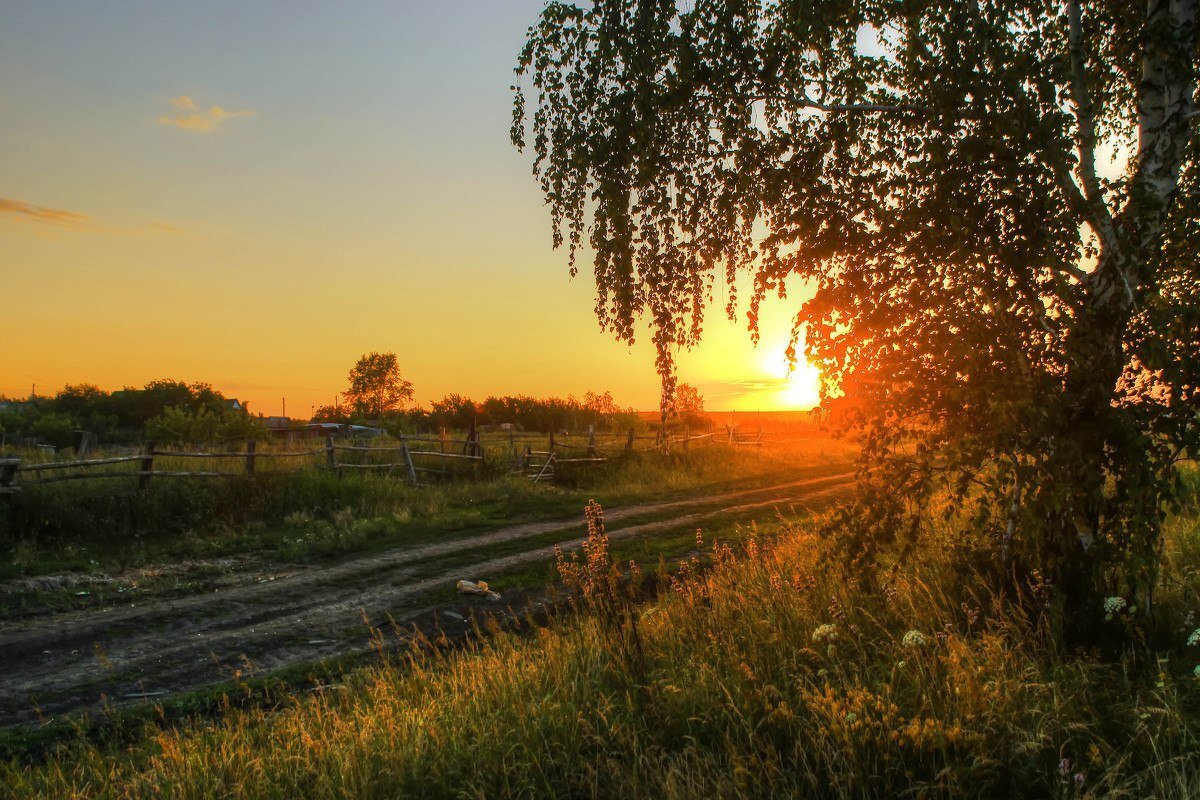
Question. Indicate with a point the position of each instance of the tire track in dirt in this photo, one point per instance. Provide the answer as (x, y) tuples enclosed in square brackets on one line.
[(66, 662)]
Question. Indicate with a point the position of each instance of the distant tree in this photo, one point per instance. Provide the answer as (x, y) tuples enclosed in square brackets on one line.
[(600, 404), (81, 399), (330, 414), (1022, 325), (182, 425), (454, 411), (376, 386), (688, 404), (55, 428)]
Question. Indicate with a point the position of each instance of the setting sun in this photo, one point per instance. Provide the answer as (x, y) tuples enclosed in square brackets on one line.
[(800, 385)]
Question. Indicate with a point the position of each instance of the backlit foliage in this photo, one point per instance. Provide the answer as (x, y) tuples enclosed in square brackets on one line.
[(1014, 325)]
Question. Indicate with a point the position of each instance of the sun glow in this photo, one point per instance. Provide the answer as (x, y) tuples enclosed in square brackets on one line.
[(800, 385)]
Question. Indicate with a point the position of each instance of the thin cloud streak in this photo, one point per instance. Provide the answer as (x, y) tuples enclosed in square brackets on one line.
[(27, 212), (24, 213), (198, 121)]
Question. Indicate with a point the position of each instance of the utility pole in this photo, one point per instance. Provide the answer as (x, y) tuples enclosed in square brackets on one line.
[(285, 407)]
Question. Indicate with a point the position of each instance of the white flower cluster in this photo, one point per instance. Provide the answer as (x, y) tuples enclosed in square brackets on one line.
[(913, 639), (824, 633), (1194, 639), (1113, 605)]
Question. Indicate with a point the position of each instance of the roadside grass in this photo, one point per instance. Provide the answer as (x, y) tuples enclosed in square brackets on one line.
[(105, 525), (661, 552), (766, 670)]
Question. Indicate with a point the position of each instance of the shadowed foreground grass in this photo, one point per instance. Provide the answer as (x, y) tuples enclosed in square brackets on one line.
[(764, 673)]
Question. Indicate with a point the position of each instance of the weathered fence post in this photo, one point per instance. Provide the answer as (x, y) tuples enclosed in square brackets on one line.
[(551, 448), (629, 442), (591, 451), (146, 466), (330, 453), (8, 474), (443, 431), (251, 447), (408, 463), (686, 436)]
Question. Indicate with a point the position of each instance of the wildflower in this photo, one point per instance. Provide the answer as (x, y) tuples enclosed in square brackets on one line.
[(1113, 605), (1079, 780), (1194, 639), (1196, 671), (1064, 768), (824, 633), (913, 639)]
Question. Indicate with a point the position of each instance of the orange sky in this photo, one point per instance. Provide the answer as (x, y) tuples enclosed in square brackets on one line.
[(253, 198)]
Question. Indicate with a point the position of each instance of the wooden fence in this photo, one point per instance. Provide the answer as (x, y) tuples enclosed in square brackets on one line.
[(412, 458)]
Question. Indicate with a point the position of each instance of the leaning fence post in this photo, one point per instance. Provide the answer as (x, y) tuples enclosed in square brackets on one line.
[(408, 463), (251, 447), (629, 442), (330, 454), (146, 466)]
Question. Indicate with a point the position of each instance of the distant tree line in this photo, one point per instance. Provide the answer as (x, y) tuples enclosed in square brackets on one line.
[(457, 411), (376, 394), (167, 411)]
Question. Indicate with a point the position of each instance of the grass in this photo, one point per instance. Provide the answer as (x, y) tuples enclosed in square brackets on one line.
[(107, 525), (766, 671)]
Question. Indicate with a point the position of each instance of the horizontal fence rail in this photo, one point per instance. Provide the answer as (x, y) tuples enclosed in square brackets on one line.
[(413, 456)]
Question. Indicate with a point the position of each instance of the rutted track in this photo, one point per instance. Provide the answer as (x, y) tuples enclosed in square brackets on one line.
[(68, 661)]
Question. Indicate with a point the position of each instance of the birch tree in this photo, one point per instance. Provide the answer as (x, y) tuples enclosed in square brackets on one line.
[(1018, 316)]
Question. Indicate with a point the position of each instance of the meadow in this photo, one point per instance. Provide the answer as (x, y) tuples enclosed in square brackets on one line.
[(293, 510), (765, 668)]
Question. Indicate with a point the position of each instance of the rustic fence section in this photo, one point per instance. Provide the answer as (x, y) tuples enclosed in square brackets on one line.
[(411, 459)]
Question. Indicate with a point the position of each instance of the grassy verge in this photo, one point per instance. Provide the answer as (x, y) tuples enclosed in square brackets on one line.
[(765, 672), (662, 552), (99, 526)]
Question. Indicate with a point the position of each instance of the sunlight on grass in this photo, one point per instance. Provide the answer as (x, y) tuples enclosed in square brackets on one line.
[(770, 671)]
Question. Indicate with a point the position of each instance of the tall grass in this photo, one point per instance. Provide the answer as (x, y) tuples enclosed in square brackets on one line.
[(767, 672), (313, 512)]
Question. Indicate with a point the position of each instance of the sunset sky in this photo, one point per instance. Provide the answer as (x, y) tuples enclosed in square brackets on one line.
[(254, 194)]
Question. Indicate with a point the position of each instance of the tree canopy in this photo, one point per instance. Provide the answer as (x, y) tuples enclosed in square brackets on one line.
[(1019, 321), (376, 386)]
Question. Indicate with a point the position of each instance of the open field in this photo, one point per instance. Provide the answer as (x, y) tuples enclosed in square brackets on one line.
[(112, 525), (159, 646), (766, 670), (160, 616)]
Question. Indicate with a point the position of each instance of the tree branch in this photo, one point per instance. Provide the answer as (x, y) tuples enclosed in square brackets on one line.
[(803, 101), (1085, 116)]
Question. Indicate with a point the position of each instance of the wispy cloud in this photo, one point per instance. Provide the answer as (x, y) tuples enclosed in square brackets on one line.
[(27, 212), (195, 120), (42, 221)]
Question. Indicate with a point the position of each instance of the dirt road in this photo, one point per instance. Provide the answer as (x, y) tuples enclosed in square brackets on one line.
[(151, 650)]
